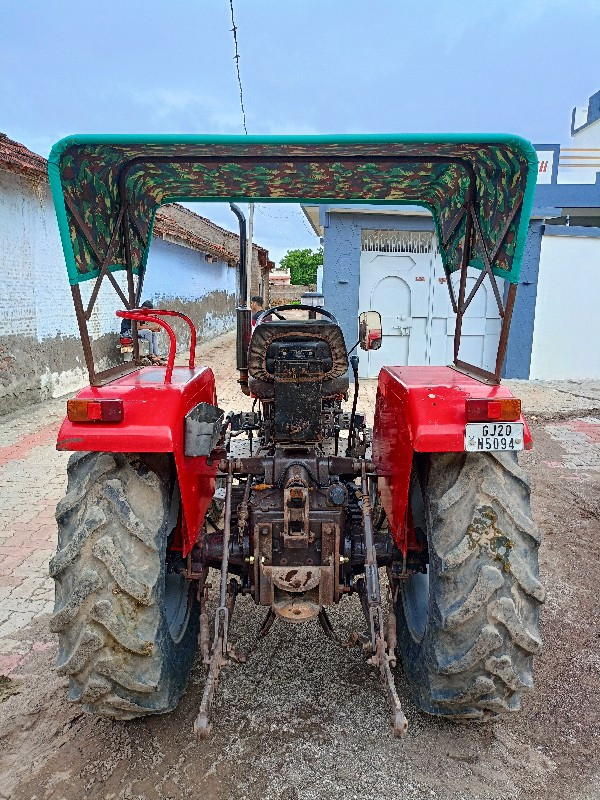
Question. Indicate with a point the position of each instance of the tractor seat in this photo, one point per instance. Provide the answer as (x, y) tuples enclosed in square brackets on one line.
[(321, 342)]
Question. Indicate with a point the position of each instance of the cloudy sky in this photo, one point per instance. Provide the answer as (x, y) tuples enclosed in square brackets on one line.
[(307, 66)]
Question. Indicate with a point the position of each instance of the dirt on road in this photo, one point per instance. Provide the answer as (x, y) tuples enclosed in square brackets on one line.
[(304, 719)]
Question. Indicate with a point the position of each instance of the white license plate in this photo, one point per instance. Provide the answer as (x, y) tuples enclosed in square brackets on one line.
[(485, 436)]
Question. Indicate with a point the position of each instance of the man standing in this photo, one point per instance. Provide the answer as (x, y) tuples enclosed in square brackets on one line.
[(256, 306)]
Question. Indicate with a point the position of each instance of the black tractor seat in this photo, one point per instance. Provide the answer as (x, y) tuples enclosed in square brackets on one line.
[(297, 352)]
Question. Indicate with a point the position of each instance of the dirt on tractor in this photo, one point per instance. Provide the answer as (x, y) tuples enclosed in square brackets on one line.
[(305, 719)]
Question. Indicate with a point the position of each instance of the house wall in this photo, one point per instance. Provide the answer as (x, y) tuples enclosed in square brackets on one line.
[(40, 352), (182, 279), (567, 323), (40, 349), (283, 294)]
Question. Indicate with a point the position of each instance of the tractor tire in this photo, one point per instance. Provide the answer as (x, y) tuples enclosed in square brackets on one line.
[(469, 628), (127, 628)]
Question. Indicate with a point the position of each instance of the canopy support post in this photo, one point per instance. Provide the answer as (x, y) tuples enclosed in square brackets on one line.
[(503, 343), (460, 309), (84, 333)]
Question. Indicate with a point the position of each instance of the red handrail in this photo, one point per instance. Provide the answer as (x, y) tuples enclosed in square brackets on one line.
[(152, 315)]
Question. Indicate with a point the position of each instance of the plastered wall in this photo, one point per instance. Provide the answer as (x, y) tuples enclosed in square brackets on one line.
[(40, 351)]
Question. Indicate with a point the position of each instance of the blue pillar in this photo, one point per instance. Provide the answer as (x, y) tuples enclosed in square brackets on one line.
[(520, 340), (341, 272)]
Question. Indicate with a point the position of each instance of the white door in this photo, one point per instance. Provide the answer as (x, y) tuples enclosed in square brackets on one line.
[(402, 277), (395, 280)]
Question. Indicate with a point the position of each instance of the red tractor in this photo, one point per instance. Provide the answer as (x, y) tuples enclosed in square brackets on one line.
[(306, 509)]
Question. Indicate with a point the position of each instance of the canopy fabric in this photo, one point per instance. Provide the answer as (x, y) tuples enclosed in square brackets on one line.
[(107, 188)]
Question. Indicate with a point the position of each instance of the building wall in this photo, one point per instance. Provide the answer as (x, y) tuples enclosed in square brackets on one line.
[(555, 326), (567, 323), (40, 353), (40, 349), (182, 279), (282, 294), (230, 242)]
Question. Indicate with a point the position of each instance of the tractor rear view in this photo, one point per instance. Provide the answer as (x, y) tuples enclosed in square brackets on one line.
[(296, 503)]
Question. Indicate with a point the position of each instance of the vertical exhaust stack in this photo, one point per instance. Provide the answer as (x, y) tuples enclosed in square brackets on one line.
[(243, 313)]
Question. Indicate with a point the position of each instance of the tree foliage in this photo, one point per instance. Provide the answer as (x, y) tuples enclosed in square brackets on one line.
[(302, 265)]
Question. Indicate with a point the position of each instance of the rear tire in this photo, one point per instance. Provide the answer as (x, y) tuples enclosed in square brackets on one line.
[(468, 630), (127, 630)]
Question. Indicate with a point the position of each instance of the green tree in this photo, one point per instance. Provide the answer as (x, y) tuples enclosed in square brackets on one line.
[(302, 265)]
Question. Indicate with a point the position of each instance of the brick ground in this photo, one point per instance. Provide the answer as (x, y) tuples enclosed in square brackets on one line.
[(33, 479)]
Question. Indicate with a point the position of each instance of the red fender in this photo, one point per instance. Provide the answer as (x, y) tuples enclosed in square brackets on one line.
[(153, 414), (420, 409)]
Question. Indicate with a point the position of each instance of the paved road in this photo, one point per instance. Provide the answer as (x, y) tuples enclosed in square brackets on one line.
[(304, 719)]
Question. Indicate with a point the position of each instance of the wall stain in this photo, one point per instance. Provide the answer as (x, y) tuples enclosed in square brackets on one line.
[(32, 371)]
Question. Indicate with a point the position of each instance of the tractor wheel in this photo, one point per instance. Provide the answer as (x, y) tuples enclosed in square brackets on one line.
[(468, 628), (127, 628)]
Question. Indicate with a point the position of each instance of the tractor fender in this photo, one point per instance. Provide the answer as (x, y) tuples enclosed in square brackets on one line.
[(153, 422), (420, 409)]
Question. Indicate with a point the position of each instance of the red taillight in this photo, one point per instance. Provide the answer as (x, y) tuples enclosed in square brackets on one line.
[(95, 410), (504, 409)]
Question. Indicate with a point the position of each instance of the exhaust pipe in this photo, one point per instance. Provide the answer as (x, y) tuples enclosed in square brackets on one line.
[(243, 313), (242, 272)]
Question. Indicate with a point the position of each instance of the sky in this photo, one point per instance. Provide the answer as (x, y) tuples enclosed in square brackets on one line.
[(307, 66)]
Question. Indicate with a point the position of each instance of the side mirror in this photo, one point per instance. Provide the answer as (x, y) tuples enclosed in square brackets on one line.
[(370, 334)]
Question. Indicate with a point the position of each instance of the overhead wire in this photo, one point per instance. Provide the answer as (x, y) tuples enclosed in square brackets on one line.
[(236, 58)]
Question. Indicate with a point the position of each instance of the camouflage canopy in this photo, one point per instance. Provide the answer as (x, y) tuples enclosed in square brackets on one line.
[(107, 189)]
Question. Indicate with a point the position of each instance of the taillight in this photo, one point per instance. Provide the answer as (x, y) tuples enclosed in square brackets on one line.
[(95, 410), (504, 409)]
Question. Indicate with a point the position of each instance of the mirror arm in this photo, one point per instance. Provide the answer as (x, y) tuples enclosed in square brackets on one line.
[(354, 348)]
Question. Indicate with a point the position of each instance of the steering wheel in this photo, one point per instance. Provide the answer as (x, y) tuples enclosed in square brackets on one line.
[(276, 311)]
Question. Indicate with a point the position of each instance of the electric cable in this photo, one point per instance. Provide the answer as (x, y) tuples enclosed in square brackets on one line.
[(236, 58)]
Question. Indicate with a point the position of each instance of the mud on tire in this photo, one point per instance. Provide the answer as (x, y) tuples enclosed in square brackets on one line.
[(468, 631), (127, 630)]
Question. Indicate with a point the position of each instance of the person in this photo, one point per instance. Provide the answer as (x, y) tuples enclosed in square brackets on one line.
[(256, 306), (146, 331)]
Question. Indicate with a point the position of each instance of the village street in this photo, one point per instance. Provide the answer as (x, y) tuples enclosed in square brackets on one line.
[(304, 719)]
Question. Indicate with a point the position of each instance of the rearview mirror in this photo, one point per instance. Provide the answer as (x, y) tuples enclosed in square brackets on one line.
[(370, 334)]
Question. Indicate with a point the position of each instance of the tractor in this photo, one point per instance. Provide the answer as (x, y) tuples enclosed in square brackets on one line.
[(297, 503)]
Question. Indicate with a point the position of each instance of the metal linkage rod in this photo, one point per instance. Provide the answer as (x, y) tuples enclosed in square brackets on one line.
[(202, 724), (381, 648)]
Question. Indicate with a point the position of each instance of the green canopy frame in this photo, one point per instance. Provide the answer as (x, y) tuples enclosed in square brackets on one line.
[(479, 189)]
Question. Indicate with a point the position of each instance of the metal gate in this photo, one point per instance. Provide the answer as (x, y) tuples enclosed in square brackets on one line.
[(402, 277)]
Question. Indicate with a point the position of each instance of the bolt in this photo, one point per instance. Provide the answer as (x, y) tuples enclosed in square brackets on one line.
[(344, 559), (264, 531), (250, 559)]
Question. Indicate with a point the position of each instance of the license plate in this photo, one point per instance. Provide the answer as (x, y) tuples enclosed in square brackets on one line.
[(485, 436)]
